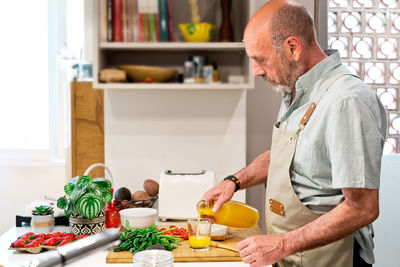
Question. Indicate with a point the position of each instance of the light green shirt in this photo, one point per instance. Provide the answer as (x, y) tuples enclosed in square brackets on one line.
[(342, 143)]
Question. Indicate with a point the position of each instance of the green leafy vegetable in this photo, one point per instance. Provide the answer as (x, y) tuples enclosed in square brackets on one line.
[(136, 240)]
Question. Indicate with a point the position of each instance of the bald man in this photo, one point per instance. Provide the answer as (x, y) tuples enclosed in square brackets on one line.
[(322, 172)]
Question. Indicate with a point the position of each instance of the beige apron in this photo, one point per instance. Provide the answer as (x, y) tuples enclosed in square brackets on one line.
[(284, 210)]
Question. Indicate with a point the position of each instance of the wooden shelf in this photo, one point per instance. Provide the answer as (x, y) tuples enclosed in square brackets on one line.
[(170, 86), (178, 46), (230, 57)]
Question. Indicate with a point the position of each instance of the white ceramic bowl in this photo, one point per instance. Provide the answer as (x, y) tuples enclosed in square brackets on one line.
[(138, 217)]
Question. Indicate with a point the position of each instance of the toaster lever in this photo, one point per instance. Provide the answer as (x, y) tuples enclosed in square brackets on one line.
[(184, 172)]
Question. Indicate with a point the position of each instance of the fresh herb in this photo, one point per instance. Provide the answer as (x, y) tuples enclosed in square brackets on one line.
[(136, 240)]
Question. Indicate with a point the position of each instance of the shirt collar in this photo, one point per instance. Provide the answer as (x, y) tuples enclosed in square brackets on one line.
[(308, 79)]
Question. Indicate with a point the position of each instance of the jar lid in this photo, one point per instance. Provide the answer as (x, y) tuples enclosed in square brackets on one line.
[(153, 257)]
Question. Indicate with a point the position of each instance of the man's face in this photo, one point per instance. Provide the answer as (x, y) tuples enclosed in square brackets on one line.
[(272, 64)]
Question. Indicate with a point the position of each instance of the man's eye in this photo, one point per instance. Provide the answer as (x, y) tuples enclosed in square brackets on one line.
[(259, 60)]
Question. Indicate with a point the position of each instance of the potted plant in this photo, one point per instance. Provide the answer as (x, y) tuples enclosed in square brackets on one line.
[(85, 204), (42, 219)]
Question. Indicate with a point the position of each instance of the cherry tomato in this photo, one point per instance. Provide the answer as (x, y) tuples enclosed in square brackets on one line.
[(185, 236)]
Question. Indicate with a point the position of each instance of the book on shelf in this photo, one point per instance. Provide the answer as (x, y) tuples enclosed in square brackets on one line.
[(171, 32), (118, 21), (163, 20), (109, 15), (103, 12), (124, 21), (136, 21), (153, 21)]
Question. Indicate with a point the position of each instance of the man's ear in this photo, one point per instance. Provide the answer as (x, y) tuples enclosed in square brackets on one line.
[(293, 48)]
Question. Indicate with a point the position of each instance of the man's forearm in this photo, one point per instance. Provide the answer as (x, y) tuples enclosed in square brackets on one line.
[(341, 221), (256, 172)]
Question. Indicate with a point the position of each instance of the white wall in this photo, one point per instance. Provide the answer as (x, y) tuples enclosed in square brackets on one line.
[(147, 132), (22, 184), (387, 234)]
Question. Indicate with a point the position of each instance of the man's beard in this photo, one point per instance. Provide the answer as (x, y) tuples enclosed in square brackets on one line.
[(291, 71)]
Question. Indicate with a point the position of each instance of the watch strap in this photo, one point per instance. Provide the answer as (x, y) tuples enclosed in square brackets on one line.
[(234, 180)]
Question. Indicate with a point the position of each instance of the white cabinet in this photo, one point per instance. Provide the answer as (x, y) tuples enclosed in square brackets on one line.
[(230, 57)]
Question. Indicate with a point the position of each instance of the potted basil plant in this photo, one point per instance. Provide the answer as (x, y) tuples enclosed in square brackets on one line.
[(84, 204)]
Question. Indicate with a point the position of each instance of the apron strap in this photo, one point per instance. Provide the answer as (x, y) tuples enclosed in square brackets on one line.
[(308, 113)]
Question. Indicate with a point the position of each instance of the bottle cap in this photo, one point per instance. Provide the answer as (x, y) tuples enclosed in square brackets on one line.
[(202, 204)]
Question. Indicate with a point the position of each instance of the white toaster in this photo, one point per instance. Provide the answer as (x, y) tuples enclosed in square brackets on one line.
[(180, 191)]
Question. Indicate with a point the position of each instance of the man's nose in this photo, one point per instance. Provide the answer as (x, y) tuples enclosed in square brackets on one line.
[(257, 69)]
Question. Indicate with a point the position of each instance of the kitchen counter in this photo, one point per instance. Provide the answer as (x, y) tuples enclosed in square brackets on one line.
[(96, 258)]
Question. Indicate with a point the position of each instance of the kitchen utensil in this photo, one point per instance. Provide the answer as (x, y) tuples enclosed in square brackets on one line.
[(138, 217), (180, 191)]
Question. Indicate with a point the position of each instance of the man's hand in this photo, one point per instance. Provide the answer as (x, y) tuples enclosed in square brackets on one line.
[(262, 250), (220, 194)]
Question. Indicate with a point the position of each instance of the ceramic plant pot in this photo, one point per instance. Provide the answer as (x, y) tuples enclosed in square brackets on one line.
[(42, 223), (80, 225)]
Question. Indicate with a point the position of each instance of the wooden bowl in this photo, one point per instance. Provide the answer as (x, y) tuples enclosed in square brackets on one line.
[(148, 74)]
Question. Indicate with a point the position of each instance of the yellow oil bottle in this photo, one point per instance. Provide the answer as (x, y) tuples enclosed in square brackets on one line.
[(232, 213)]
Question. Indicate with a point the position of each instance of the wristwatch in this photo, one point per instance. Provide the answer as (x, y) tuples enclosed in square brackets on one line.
[(234, 180)]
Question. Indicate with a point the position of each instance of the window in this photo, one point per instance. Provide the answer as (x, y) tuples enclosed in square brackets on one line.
[(366, 32), (42, 39), (24, 90)]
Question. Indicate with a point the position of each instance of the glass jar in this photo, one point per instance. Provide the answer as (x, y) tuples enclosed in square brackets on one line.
[(153, 258)]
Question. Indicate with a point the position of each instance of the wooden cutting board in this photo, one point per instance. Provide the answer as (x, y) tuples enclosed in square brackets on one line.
[(183, 253)]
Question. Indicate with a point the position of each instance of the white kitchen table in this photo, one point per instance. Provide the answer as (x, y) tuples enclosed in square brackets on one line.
[(96, 258)]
